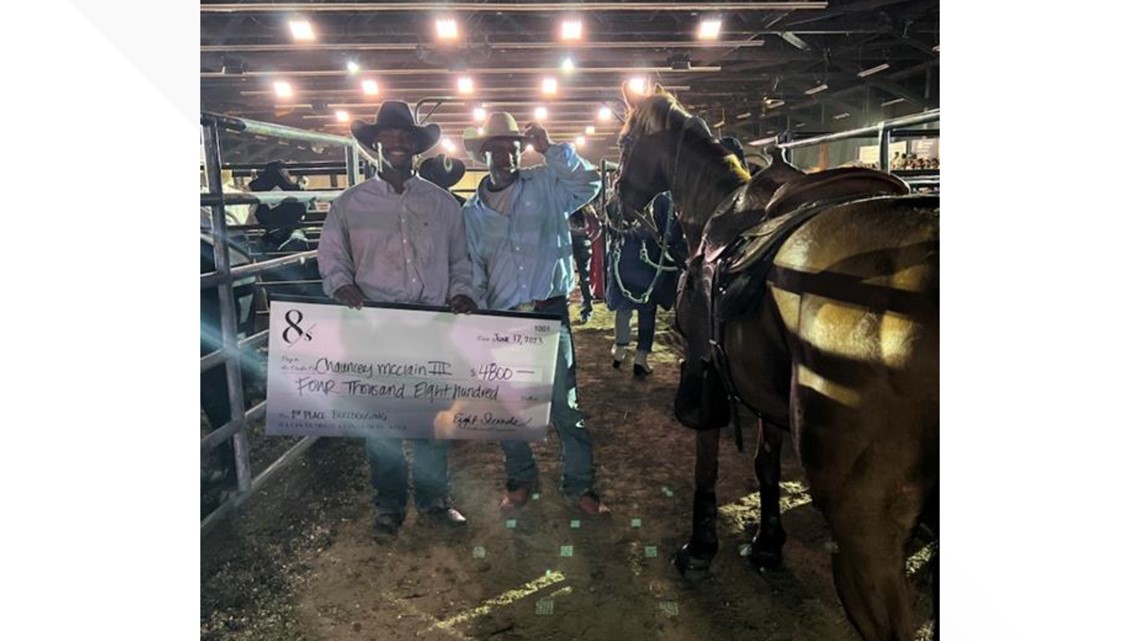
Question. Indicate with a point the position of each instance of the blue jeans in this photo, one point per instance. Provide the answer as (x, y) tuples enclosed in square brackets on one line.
[(390, 473), (569, 422), (646, 325)]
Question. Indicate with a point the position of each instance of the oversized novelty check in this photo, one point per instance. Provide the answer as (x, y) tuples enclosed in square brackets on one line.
[(404, 372)]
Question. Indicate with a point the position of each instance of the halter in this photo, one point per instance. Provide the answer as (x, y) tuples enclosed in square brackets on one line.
[(643, 255), (632, 142)]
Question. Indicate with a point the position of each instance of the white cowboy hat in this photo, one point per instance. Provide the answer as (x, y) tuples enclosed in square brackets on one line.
[(500, 124)]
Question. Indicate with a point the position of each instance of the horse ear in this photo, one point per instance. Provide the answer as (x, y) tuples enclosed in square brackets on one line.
[(630, 96)]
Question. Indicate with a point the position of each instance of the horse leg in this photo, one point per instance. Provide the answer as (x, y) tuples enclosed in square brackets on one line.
[(695, 558), (770, 535), (868, 572)]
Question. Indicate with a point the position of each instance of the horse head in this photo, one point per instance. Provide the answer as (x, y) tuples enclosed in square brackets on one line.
[(644, 147), (665, 148)]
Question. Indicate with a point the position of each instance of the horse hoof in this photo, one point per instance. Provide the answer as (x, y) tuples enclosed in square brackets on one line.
[(764, 559), (690, 566)]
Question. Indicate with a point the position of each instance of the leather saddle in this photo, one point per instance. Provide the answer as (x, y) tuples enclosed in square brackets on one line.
[(738, 248)]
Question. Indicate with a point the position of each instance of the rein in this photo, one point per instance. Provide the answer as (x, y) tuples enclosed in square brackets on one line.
[(643, 255)]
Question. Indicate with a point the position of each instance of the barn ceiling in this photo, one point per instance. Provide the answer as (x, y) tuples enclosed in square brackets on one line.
[(763, 74)]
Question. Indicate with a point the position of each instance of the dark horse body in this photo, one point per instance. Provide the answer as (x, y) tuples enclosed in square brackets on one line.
[(841, 349)]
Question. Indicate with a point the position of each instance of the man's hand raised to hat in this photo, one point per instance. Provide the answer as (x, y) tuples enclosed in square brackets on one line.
[(461, 304), (537, 137), (350, 295)]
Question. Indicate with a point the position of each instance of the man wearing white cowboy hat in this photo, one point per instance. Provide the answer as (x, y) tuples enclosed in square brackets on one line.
[(396, 238), (518, 238)]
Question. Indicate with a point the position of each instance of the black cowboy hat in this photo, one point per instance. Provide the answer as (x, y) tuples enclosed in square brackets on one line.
[(442, 170), (273, 174), (396, 114)]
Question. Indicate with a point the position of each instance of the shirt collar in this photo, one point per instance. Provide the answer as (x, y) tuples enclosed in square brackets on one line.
[(409, 185), (525, 174)]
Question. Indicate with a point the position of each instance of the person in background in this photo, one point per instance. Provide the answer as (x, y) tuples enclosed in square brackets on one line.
[(582, 222), (397, 238), (444, 172), (235, 214), (282, 220), (518, 237), (641, 276)]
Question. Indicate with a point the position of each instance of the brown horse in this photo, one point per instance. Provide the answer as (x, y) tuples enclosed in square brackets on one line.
[(838, 344)]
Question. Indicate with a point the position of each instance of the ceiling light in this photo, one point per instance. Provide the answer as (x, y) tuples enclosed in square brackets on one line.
[(341, 116), (479, 131), (572, 29), (302, 30), (446, 29), (567, 65), (893, 102), (816, 89), (744, 115), (448, 145), (935, 47), (370, 87), (540, 113), (549, 86), (719, 124), (479, 114), (590, 129), (866, 72), (282, 89), (772, 103), (637, 85), (710, 29), (605, 113), (353, 67), (466, 85), (580, 141), (841, 116)]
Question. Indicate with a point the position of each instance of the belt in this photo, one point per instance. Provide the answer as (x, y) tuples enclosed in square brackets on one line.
[(540, 305)]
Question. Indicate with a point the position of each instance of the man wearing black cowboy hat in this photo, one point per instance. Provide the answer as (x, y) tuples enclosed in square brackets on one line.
[(396, 238), (519, 238), (444, 172), (282, 221)]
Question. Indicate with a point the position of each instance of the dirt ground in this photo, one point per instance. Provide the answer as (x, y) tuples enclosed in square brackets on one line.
[(299, 562)]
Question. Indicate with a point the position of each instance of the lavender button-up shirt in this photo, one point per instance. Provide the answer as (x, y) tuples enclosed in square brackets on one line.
[(397, 248)]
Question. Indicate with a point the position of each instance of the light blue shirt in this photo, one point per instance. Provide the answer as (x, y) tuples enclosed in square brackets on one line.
[(524, 254)]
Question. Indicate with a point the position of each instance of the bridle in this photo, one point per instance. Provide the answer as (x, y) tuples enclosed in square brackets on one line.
[(629, 141)]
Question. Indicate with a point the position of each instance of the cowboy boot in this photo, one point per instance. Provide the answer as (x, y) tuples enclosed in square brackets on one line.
[(641, 367), (619, 353)]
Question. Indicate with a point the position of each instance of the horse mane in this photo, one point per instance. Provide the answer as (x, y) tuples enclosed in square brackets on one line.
[(705, 166)]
